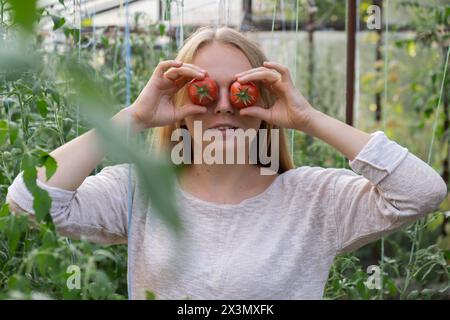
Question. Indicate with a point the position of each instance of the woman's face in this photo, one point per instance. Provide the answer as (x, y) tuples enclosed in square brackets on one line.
[(221, 62)]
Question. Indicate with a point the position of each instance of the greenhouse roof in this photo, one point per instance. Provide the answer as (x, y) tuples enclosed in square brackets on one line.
[(102, 13)]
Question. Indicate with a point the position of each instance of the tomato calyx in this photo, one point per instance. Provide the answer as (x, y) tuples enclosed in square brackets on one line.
[(202, 92), (244, 97)]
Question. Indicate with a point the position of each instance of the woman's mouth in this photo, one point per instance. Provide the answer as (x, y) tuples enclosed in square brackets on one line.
[(225, 130)]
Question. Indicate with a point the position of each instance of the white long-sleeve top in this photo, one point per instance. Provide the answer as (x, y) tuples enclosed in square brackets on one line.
[(279, 244)]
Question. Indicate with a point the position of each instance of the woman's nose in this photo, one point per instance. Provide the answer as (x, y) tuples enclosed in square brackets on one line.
[(223, 103)]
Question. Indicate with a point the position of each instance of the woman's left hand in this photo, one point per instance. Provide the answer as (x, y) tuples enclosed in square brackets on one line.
[(290, 110)]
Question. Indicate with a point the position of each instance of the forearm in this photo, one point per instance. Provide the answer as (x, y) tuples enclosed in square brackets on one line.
[(346, 139), (77, 158)]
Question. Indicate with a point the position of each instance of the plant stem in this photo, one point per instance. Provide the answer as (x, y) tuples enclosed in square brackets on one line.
[(24, 125)]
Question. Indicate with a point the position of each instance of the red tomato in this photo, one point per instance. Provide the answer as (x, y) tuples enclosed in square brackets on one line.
[(202, 91), (243, 95)]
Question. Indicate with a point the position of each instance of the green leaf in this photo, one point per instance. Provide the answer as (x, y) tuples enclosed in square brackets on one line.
[(105, 41), (4, 211), (14, 232), (67, 125), (101, 286), (4, 216), (413, 295), (392, 288), (19, 283), (24, 13), (41, 204), (3, 131), (58, 22), (45, 159), (75, 33), (149, 295), (157, 175), (27, 165), (41, 201), (42, 107), (101, 254), (162, 29), (435, 221), (45, 262), (13, 132), (48, 239), (50, 166)]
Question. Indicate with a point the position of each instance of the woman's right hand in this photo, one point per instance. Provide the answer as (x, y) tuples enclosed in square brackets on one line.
[(154, 107)]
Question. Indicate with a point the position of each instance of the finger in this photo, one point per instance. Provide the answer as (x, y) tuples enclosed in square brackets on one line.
[(265, 74), (193, 66), (249, 71), (188, 110), (180, 77), (256, 111), (185, 66), (166, 64), (175, 74), (180, 82), (284, 71), (270, 79)]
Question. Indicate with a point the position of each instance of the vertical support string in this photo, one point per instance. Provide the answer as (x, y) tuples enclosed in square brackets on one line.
[(182, 24), (76, 3), (222, 13), (79, 28), (227, 13), (297, 5), (296, 39), (127, 103), (386, 41), (343, 157), (94, 48), (180, 33), (386, 59), (273, 27), (357, 71), (167, 16), (219, 13), (436, 116), (386, 44), (418, 225)]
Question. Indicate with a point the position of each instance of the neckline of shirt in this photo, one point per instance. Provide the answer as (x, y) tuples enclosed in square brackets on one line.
[(190, 196)]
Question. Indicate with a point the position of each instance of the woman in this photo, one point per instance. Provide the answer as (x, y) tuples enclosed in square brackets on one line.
[(247, 235)]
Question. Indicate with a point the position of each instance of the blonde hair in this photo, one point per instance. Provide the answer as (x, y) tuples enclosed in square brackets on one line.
[(161, 136)]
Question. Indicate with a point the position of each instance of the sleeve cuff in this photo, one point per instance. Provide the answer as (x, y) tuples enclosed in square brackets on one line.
[(378, 158), (19, 193)]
